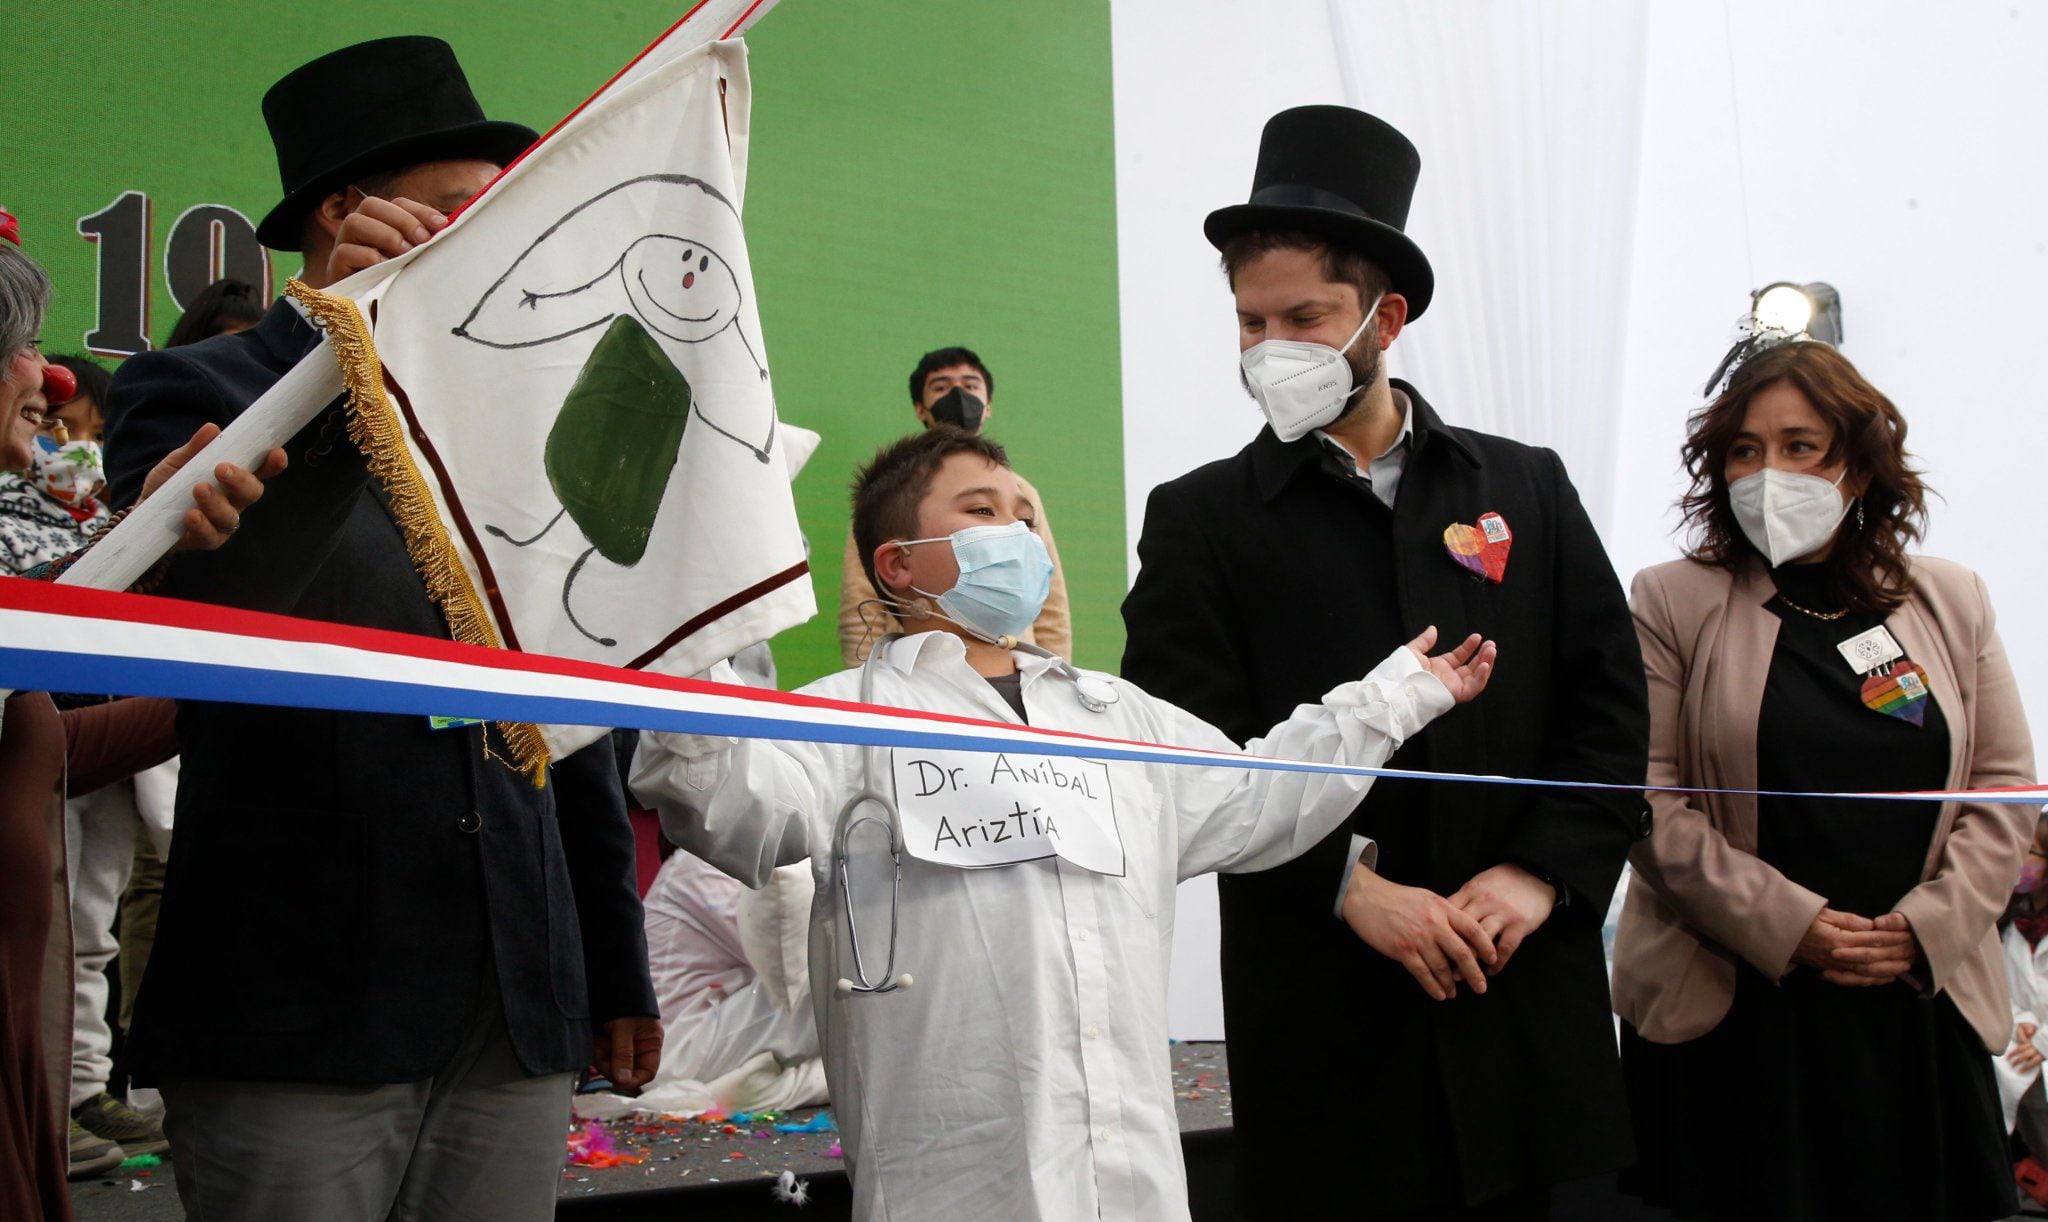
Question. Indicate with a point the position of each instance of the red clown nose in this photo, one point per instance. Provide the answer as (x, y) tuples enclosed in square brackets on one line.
[(60, 385)]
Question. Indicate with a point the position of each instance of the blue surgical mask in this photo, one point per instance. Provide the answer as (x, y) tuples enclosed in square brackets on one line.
[(1005, 575)]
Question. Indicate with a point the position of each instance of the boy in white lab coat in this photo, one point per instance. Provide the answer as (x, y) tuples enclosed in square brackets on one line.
[(1024, 1072)]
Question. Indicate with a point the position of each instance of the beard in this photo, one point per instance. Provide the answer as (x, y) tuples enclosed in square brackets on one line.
[(1366, 368)]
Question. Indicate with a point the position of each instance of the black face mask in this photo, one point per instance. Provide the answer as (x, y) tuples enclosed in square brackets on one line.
[(960, 409)]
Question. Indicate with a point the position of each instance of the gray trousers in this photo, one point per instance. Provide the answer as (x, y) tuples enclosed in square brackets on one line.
[(480, 1141), (99, 849)]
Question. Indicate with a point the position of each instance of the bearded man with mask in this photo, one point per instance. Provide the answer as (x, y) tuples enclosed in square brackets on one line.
[(1439, 959), (950, 386)]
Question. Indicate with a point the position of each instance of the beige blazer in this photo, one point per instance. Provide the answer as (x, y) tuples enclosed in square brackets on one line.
[(1700, 897), (860, 627)]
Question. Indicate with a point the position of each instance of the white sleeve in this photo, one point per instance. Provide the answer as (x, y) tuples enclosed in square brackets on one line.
[(746, 806), (1238, 820)]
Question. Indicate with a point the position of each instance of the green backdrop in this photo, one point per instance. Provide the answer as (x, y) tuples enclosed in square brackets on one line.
[(922, 173)]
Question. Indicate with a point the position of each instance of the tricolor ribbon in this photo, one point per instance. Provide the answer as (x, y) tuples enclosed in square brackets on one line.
[(70, 638)]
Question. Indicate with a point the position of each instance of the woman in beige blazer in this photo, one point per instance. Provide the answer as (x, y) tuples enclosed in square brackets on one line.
[(1808, 987)]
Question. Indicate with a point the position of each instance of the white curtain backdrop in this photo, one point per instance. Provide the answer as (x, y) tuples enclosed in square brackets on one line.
[(1529, 121), (1602, 186)]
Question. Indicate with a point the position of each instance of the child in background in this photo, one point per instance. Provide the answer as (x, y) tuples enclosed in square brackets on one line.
[(1024, 1072), (728, 967), (2026, 970)]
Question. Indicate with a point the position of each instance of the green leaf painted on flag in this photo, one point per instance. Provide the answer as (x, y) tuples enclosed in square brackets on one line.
[(616, 439)]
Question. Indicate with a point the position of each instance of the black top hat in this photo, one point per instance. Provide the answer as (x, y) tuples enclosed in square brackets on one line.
[(369, 109), (1344, 175)]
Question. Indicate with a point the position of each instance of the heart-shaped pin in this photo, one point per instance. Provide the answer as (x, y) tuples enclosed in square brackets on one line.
[(1901, 694), (1481, 548)]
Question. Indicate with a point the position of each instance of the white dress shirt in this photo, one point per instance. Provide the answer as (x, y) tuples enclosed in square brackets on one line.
[(1383, 474), (1025, 1073)]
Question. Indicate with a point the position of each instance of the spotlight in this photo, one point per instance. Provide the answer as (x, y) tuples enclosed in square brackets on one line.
[(1811, 310), (1779, 313)]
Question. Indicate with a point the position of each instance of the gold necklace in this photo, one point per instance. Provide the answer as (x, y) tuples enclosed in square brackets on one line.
[(1819, 615)]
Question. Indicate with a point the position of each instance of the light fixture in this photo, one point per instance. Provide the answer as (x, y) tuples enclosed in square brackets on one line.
[(1781, 312), (1813, 311)]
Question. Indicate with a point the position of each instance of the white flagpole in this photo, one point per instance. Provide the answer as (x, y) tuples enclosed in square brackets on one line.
[(121, 556)]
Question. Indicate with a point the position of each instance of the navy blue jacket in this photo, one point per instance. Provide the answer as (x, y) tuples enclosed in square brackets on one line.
[(340, 884), (1265, 580)]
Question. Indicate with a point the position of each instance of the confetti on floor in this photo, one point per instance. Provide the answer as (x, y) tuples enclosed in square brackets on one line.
[(636, 1151)]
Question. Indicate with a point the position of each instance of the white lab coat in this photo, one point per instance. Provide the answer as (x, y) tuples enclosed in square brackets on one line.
[(2026, 970), (1025, 1073)]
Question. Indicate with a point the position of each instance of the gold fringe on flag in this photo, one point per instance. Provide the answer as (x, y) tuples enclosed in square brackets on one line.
[(374, 425)]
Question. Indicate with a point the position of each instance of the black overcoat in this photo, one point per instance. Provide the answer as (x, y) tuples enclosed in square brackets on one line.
[(1254, 595), (340, 884)]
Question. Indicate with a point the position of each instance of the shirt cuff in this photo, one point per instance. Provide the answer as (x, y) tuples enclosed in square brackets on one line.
[(698, 760), (1398, 698), (1364, 852)]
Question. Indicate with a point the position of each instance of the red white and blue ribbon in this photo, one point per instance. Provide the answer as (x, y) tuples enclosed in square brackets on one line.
[(69, 638)]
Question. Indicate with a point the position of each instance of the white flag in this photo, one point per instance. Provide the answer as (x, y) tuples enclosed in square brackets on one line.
[(579, 433)]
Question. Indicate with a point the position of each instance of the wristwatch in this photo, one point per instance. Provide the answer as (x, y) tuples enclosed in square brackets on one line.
[(1563, 893)]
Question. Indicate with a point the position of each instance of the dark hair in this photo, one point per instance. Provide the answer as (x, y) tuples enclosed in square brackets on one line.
[(887, 492), (93, 379), (219, 305), (946, 358), (1866, 570), (1341, 264)]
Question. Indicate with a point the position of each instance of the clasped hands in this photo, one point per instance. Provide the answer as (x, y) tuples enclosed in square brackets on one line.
[(1858, 951), (1443, 941), (1446, 941)]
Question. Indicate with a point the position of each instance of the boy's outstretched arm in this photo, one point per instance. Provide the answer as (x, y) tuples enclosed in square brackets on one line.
[(743, 805), (1238, 820)]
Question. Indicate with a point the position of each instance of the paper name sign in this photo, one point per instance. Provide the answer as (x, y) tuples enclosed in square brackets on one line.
[(973, 810)]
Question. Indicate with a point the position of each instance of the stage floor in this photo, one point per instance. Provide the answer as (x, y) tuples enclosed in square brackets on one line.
[(724, 1170), (742, 1160)]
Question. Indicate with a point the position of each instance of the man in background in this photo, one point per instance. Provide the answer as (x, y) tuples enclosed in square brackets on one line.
[(949, 386)]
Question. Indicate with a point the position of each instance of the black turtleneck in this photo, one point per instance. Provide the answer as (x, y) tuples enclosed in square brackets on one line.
[(1815, 734)]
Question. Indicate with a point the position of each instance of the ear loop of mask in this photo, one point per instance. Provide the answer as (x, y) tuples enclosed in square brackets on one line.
[(1370, 314), (926, 606), (889, 606), (1345, 351)]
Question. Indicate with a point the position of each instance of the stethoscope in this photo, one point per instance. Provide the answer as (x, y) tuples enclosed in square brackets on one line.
[(870, 807)]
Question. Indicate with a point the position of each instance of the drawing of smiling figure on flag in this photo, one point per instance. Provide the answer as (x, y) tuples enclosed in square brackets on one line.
[(580, 419), (678, 286), (614, 444)]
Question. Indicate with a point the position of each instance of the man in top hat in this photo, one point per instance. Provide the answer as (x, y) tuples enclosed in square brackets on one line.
[(383, 954), (1439, 962)]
